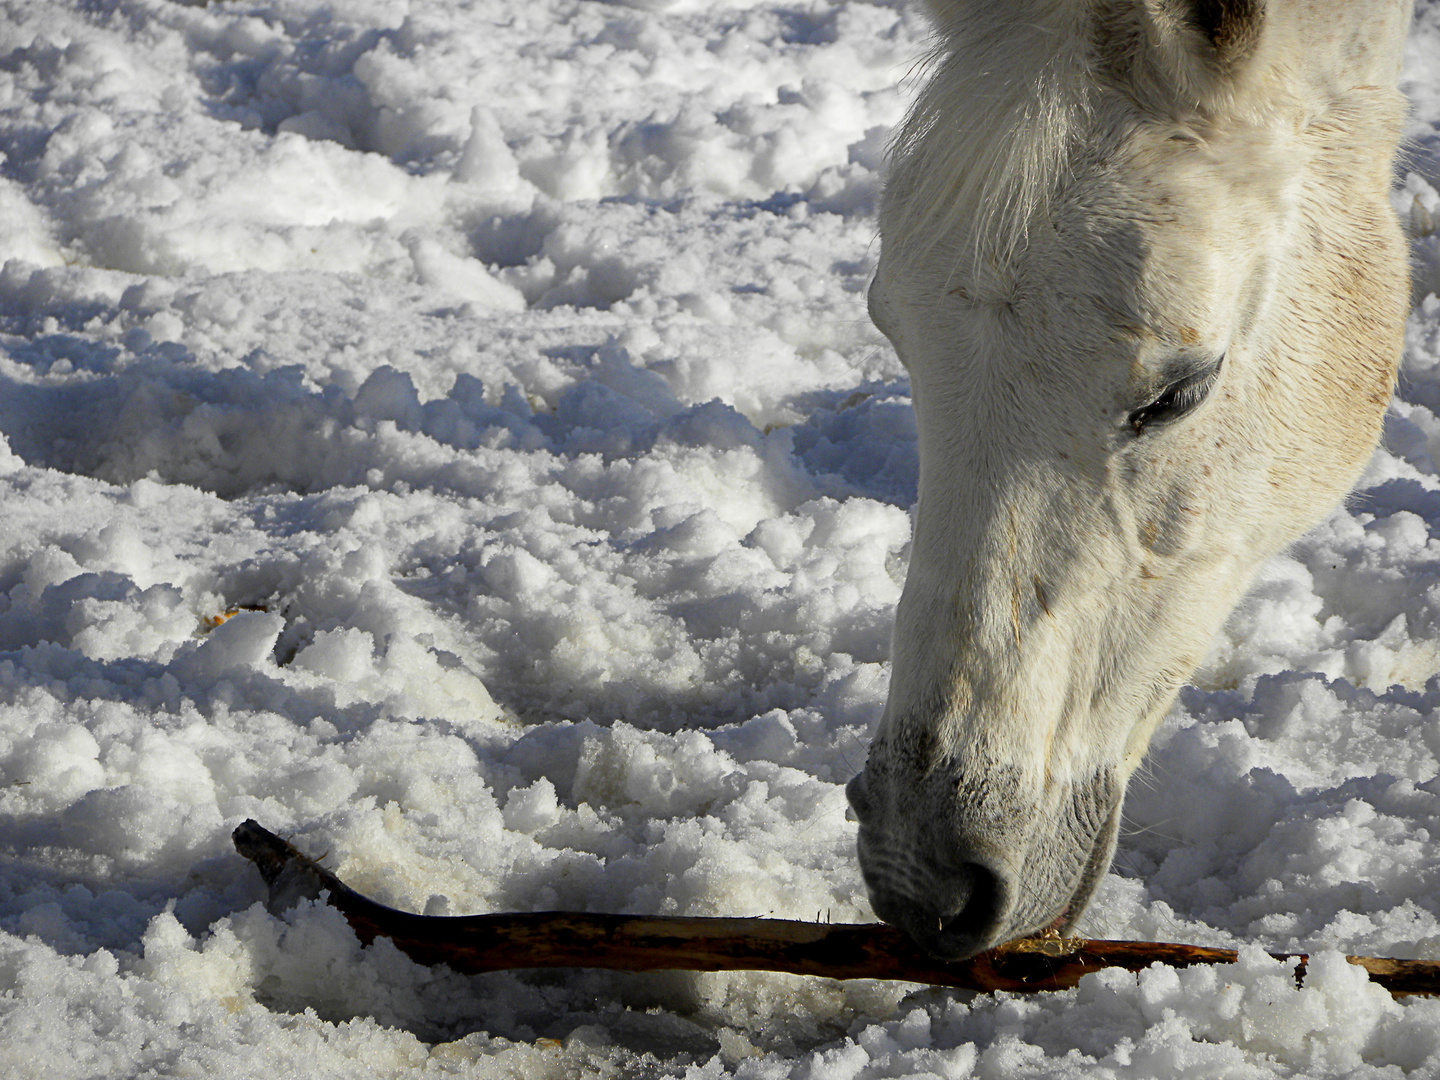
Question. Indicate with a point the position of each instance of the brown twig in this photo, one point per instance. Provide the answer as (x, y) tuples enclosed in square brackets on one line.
[(478, 943)]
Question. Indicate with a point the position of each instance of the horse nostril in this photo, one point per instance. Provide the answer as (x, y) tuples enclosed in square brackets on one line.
[(968, 919), (977, 914), (858, 795)]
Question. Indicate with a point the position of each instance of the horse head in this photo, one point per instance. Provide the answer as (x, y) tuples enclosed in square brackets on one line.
[(1139, 261)]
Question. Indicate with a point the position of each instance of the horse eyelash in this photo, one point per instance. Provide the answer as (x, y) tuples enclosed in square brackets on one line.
[(1177, 399)]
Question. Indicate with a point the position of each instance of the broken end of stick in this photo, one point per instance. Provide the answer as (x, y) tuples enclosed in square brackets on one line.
[(290, 875)]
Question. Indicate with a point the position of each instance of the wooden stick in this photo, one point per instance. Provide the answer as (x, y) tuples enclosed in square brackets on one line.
[(476, 943)]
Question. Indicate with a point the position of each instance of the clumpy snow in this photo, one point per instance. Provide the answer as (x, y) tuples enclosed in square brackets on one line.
[(451, 434)]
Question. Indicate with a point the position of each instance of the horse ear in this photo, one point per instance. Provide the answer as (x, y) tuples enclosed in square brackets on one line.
[(1187, 52), (1230, 28)]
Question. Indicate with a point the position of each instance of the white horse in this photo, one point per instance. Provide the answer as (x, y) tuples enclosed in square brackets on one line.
[(1140, 262)]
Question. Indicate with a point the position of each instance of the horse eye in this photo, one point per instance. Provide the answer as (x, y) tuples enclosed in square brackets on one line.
[(1177, 399)]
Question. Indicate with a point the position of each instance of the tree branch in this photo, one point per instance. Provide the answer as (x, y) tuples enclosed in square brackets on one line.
[(477, 943)]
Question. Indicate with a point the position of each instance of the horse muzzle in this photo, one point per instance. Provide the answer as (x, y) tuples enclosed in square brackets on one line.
[(960, 878)]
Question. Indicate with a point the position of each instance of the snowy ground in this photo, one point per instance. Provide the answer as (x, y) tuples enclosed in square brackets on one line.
[(506, 366)]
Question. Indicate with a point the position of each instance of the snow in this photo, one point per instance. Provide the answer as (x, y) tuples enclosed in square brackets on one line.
[(451, 434)]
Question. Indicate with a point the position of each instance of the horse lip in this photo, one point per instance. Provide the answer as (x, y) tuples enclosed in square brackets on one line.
[(952, 939), (858, 796), (1060, 922)]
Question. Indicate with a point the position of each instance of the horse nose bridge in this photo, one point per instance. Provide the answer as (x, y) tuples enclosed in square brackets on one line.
[(1001, 588), (1009, 663)]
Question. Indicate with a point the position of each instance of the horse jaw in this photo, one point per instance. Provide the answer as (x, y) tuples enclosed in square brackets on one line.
[(1067, 573)]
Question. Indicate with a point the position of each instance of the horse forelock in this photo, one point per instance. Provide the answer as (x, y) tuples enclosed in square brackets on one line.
[(1016, 92), (985, 145)]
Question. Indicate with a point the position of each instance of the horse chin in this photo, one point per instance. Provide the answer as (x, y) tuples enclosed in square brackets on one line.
[(1090, 878), (1092, 873)]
